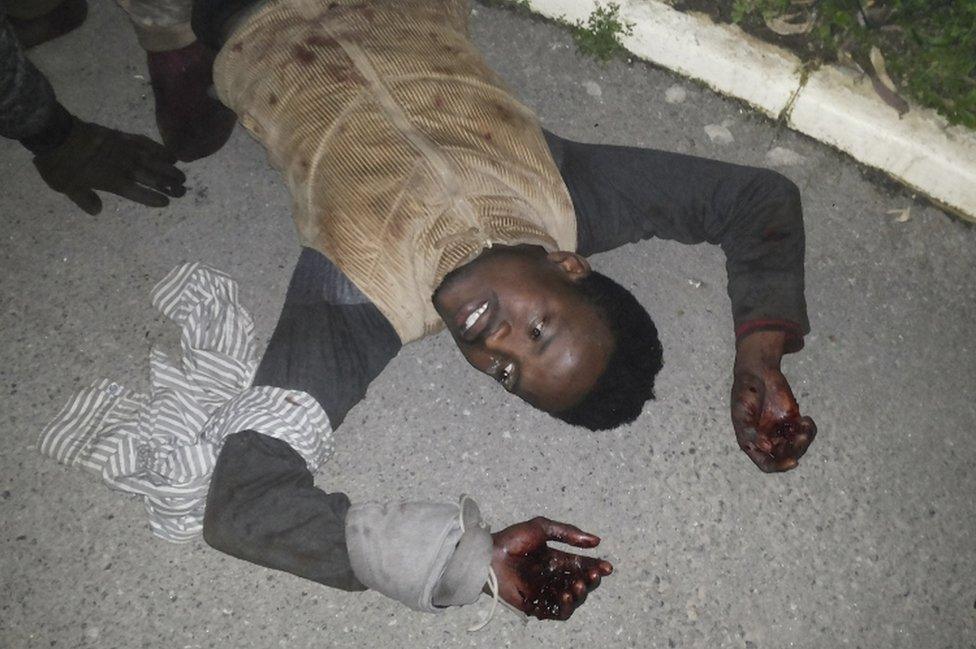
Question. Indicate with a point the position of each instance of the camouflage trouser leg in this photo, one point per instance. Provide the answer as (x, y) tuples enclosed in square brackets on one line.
[(160, 24), (27, 9)]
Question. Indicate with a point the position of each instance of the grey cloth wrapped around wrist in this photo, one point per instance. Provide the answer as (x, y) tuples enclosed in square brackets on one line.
[(423, 554)]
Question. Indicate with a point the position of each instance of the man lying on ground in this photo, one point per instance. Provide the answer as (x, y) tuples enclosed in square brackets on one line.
[(415, 173), (427, 196)]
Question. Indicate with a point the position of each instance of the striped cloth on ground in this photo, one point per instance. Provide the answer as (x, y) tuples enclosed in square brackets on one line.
[(163, 445)]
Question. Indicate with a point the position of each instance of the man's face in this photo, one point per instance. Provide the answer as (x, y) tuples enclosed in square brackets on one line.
[(516, 316)]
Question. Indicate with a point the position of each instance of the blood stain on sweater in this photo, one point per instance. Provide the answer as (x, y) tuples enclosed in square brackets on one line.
[(303, 55)]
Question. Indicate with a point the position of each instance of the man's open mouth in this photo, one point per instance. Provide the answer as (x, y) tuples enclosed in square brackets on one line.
[(473, 320)]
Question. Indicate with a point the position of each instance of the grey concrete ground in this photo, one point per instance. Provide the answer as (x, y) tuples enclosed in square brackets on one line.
[(870, 543)]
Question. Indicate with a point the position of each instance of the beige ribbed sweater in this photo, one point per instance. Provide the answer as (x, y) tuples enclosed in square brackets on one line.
[(405, 154)]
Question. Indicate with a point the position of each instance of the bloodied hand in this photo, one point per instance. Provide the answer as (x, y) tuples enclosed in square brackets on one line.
[(542, 581), (765, 414)]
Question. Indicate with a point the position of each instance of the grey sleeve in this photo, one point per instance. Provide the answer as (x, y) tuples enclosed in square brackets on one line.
[(624, 194), (330, 341), (27, 101), (426, 555), (263, 506)]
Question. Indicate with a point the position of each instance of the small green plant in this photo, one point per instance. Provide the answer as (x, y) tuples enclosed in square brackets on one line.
[(599, 36)]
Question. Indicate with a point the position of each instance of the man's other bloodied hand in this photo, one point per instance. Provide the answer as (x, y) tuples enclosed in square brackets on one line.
[(539, 580), (765, 415), (94, 157)]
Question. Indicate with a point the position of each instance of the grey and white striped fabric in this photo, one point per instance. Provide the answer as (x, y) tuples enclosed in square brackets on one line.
[(163, 446)]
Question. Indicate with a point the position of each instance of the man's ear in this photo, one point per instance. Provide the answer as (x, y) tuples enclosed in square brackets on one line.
[(574, 265)]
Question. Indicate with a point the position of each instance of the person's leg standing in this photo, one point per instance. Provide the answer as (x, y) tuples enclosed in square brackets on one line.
[(191, 122)]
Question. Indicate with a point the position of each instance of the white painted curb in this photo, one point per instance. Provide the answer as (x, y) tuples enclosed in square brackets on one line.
[(834, 106)]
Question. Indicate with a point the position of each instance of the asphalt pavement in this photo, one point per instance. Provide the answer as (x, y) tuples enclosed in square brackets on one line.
[(871, 542)]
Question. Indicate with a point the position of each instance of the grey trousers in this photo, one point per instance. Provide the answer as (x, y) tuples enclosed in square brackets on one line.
[(160, 24)]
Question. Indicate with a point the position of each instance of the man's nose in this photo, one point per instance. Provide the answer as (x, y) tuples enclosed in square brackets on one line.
[(501, 340)]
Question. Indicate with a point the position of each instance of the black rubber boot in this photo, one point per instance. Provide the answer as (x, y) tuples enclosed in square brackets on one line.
[(191, 123)]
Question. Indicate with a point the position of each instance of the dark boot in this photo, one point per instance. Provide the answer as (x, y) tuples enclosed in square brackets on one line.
[(191, 123), (59, 21)]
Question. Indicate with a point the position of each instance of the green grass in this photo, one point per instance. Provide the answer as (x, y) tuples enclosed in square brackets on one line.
[(929, 46)]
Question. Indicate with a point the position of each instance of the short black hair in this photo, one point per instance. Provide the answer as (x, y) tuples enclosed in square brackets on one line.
[(628, 381)]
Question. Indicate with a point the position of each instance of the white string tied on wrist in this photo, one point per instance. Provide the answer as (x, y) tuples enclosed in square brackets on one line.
[(493, 587), (492, 578)]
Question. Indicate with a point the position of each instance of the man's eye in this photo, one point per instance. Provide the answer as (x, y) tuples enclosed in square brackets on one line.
[(536, 331), (506, 376)]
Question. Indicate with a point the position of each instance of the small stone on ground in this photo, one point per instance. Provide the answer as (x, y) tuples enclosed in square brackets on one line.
[(675, 94), (719, 134), (593, 89), (782, 157)]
